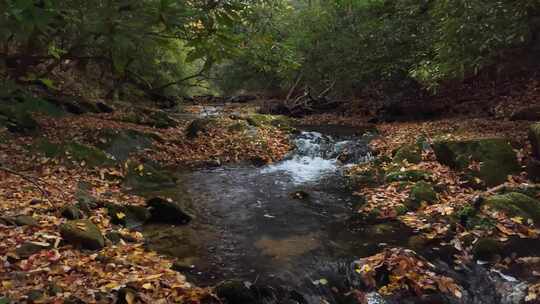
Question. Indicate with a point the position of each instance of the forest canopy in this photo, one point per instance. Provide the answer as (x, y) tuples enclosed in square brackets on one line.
[(166, 47)]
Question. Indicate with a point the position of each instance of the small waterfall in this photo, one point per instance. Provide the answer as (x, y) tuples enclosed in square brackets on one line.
[(316, 155)]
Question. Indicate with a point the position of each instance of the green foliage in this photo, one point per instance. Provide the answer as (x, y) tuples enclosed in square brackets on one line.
[(153, 44), (394, 44)]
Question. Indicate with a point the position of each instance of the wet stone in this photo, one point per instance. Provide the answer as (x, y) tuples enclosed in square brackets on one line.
[(27, 249), (25, 220), (72, 213), (164, 211), (82, 233)]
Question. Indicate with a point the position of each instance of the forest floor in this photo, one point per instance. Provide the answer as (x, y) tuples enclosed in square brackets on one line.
[(61, 165)]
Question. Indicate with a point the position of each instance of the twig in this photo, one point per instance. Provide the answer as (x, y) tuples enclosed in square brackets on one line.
[(30, 179)]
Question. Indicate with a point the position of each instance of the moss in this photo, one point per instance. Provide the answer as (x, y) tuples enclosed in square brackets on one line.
[(411, 176), (401, 210), (516, 204), (420, 192), (147, 176), (469, 217), (201, 125), (496, 157), (534, 138), (82, 233), (121, 143), (409, 153), (92, 156), (240, 126), (278, 121), (486, 249)]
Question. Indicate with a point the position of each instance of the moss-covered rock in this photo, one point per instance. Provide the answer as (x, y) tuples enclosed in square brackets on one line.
[(71, 212), (146, 176), (72, 151), (82, 233), (201, 126), (421, 192), (92, 156), (128, 215), (410, 153), (516, 204), (25, 220), (408, 176), (534, 138), (496, 157), (278, 121), (121, 143), (27, 249), (486, 249), (17, 121)]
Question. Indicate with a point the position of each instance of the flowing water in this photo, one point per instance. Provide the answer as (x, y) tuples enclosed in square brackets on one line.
[(289, 224), (277, 223)]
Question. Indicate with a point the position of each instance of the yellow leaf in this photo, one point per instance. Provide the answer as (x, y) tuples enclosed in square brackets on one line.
[(130, 298), (120, 215), (7, 284), (147, 286), (140, 167)]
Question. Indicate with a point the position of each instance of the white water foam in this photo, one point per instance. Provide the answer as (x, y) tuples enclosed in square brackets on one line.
[(315, 155)]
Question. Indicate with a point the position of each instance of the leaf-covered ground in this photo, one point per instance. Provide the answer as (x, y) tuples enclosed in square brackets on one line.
[(35, 188)]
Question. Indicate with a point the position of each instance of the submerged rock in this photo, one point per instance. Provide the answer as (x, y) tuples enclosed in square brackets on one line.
[(82, 233), (516, 204), (496, 157), (164, 211)]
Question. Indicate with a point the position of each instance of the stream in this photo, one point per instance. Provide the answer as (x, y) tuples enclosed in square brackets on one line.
[(285, 223), (288, 225)]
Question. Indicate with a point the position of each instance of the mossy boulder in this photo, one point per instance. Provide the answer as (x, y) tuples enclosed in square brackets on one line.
[(25, 220), (128, 215), (71, 212), (17, 121), (421, 192), (72, 151), (201, 126), (146, 176), (121, 143), (27, 249), (410, 153), (534, 138), (486, 249), (496, 157), (516, 204), (407, 176), (279, 121), (82, 233)]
